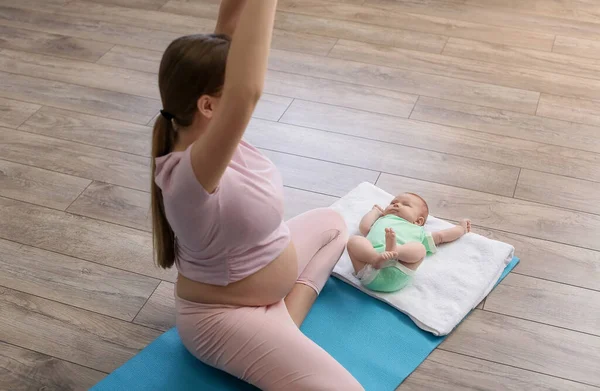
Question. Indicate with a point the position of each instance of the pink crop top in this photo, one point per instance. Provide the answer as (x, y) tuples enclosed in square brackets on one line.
[(235, 231)]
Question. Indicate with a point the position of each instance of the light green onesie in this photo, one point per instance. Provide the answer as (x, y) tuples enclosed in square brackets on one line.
[(393, 276)]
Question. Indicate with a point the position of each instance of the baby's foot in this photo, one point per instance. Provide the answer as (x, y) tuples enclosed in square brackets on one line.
[(390, 240), (383, 257), (466, 224)]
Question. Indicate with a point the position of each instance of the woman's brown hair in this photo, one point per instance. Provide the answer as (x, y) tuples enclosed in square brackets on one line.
[(191, 66)]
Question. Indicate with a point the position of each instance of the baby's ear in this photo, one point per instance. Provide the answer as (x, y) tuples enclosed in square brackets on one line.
[(420, 221)]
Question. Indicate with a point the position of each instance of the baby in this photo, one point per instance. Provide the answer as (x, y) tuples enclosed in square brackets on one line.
[(395, 243)]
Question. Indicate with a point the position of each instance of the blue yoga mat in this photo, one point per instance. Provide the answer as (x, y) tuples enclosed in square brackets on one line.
[(380, 346)]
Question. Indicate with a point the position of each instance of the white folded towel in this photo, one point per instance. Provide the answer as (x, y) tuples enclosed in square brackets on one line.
[(448, 284)]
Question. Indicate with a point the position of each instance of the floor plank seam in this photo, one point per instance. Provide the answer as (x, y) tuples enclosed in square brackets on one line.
[(332, 47), (29, 117), (285, 111), (76, 198), (413, 108), (537, 106), (146, 302), (517, 182)]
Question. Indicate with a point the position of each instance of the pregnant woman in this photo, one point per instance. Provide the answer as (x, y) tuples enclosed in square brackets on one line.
[(246, 278)]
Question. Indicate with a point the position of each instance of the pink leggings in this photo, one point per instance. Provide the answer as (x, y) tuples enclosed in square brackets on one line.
[(262, 345)]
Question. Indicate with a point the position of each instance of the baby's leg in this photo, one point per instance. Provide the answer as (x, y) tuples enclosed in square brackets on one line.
[(361, 253), (410, 254)]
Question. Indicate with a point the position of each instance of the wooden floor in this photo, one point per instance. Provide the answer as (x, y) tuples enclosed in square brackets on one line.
[(490, 109)]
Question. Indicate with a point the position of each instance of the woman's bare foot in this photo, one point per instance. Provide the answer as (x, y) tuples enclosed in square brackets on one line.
[(466, 224)]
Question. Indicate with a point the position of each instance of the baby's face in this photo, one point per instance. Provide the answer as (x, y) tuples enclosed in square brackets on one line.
[(408, 207)]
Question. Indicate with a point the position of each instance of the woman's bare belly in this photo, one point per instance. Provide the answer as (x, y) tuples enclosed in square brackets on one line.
[(267, 286)]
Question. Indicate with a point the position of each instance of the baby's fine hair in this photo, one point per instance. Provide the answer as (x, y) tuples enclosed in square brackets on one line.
[(424, 203)]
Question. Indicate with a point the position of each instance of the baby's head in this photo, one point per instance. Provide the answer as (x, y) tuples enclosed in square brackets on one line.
[(410, 207)]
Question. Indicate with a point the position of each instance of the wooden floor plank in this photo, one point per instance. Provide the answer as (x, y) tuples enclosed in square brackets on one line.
[(382, 156), (19, 16), (82, 337), (115, 79), (414, 40), (380, 100), (468, 69), (128, 57), (72, 281), (159, 311), (52, 44), (319, 176), (508, 123), (407, 81), (326, 27), (547, 302), (419, 22), (452, 140), (339, 93), (578, 47), (528, 345), (91, 130), (141, 4), (586, 11), (13, 113), (39, 186), (78, 98), (447, 371), (92, 240), (570, 109), (184, 23), (496, 19), (559, 191), (513, 56), (75, 159), (502, 213), (115, 204), (23, 370), (549, 260), (300, 201)]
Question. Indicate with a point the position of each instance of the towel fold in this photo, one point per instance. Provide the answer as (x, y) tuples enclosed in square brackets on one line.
[(448, 284)]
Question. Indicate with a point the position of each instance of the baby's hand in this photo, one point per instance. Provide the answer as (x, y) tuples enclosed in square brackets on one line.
[(378, 208)]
